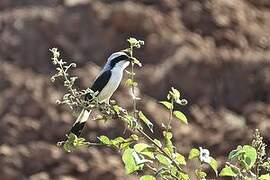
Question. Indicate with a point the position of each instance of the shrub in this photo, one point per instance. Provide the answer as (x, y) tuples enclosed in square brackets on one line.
[(158, 158)]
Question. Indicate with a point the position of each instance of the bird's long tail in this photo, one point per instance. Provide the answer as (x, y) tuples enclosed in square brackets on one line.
[(80, 122)]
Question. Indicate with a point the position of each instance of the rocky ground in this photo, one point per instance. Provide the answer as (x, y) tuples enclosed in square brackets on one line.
[(216, 52)]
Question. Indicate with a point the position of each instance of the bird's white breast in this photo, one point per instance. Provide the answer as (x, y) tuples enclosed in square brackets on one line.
[(112, 85)]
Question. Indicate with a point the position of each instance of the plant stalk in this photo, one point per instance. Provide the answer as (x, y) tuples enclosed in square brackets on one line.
[(160, 148)]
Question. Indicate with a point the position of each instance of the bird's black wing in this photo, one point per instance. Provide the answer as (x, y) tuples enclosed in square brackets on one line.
[(99, 83)]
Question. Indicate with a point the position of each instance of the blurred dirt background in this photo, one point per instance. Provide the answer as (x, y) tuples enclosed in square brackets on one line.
[(217, 52)]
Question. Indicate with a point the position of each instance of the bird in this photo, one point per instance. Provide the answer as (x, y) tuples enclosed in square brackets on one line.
[(105, 84)]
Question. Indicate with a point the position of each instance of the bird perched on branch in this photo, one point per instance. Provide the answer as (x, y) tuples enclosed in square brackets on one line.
[(105, 85)]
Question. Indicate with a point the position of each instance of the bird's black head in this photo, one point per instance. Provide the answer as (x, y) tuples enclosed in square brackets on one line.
[(118, 58)]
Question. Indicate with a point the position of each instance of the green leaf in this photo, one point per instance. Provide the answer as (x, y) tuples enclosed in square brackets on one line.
[(73, 142), (167, 104), (163, 159), (246, 155), (130, 82), (130, 164), (128, 119), (243, 164), (134, 137), (158, 142), (182, 102), (145, 150), (140, 160), (168, 150), (136, 61), (121, 143), (235, 153), (175, 93), (105, 140), (250, 155), (180, 159), (148, 153), (117, 140), (118, 143), (228, 171), (132, 40), (72, 137), (184, 176), (181, 116), (264, 177), (214, 165), (140, 147), (80, 143), (117, 109), (69, 143), (147, 177), (194, 153), (200, 174), (146, 121), (168, 136)]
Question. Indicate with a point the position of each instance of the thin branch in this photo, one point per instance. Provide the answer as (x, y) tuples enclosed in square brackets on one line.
[(170, 117), (132, 86), (160, 148)]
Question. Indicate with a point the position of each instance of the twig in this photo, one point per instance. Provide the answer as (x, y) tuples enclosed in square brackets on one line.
[(132, 87), (170, 117), (160, 148)]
